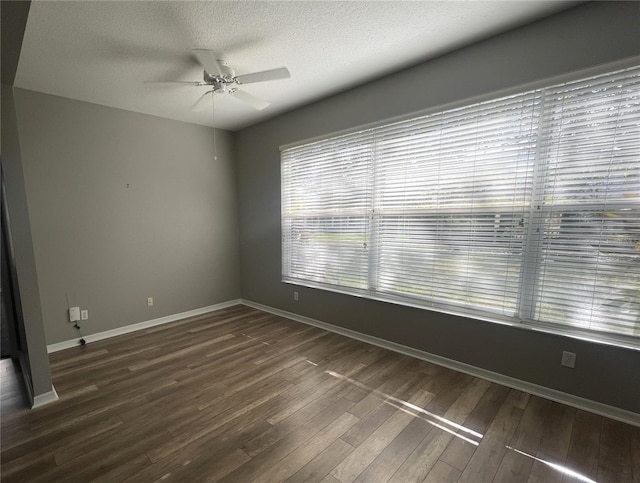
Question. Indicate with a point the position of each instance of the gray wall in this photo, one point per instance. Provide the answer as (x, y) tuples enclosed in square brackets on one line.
[(123, 207), (582, 37), (33, 355), (35, 361)]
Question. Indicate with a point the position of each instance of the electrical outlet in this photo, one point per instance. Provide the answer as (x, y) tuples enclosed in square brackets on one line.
[(150, 302), (568, 359), (84, 314), (295, 296)]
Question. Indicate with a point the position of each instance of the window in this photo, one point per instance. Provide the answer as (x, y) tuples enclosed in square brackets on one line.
[(524, 209)]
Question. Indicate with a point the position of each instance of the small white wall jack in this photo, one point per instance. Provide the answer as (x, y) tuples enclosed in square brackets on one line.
[(150, 302), (295, 296), (568, 359)]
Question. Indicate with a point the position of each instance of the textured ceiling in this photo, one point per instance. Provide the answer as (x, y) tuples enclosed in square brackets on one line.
[(102, 52)]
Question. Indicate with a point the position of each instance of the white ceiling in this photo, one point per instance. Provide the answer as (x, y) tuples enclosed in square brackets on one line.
[(102, 52)]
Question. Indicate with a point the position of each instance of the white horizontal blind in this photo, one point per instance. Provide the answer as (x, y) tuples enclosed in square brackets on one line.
[(452, 193), (326, 200), (588, 265), (525, 207)]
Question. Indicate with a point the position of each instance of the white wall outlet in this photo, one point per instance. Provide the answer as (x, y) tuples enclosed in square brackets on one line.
[(295, 296), (74, 314), (150, 302), (568, 359), (84, 314)]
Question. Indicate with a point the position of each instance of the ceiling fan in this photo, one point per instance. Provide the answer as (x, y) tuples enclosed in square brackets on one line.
[(222, 79)]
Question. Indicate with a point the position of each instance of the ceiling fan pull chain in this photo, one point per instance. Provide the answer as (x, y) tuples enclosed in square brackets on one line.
[(213, 118)]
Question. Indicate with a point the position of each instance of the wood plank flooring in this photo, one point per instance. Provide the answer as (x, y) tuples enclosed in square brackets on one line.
[(240, 395)]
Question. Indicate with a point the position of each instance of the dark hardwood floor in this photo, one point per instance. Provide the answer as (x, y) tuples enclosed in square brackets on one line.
[(240, 395)]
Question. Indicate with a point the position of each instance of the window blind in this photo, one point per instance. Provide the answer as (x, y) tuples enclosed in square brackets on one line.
[(452, 190), (326, 201), (587, 264), (524, 208)]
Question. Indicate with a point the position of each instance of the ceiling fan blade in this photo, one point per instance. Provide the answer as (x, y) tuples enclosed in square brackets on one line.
[(265, 75), (176, 83), (200, 104), (249, 99), (208, 60)]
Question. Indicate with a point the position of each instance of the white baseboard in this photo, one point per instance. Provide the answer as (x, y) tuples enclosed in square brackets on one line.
[(139, 326), (44, 399), (595, 407), (40, 399)]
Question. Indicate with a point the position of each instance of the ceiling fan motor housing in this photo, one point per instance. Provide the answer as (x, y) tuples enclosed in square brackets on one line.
[(220, 81), (227, 72)]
